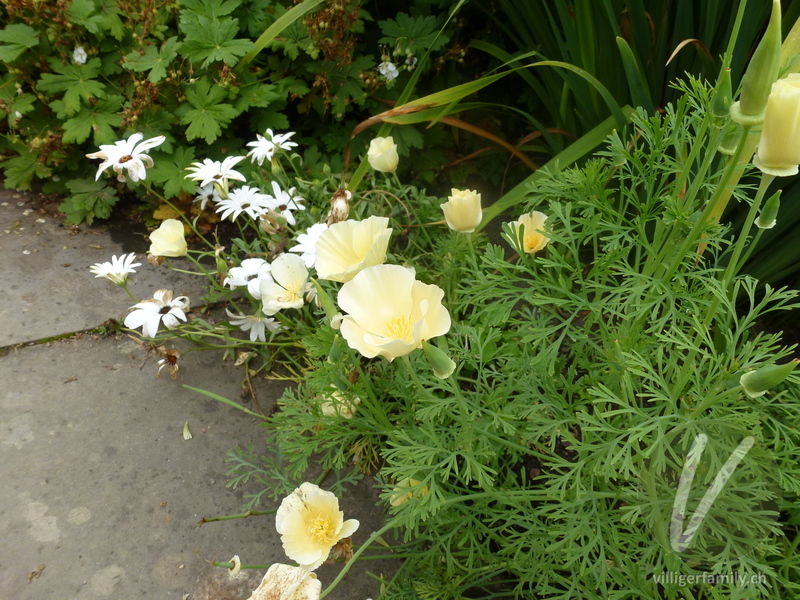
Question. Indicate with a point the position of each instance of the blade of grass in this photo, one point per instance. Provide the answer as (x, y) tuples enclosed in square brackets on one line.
[(568, 156), (276, 28), (224, 401)]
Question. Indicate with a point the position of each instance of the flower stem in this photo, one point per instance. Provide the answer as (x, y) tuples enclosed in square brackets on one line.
[(356, 554)]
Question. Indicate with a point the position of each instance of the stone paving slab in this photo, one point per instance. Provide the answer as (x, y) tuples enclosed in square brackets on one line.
[(46, 288), (100, 491)]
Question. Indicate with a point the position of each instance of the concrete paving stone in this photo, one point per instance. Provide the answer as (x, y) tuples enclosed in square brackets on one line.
[(100, 494), (46, 288)]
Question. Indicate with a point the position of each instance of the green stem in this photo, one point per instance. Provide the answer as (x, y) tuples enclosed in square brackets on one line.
[(733, 264), (249, 513), (357, 553)]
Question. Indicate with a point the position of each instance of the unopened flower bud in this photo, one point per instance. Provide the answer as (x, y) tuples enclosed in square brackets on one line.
[(340, 206), (761, 74), (442, 365), (731, 141), (723, 94), (324, 300), (756, 383), (769, 213)]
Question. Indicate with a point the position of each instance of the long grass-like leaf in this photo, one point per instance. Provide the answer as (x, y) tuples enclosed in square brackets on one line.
[(568, 156), (640, 92), (224, 401), (276, 28)]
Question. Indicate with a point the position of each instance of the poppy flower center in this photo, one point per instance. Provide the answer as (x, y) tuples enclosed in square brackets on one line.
[(322, 530), (125, 158), (165, 310), (398, 328)]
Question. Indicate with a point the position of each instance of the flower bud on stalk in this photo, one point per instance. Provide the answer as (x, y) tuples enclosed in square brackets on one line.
[(768, 216), (761, 74), (442, 365), (756, 383), (723, 94)]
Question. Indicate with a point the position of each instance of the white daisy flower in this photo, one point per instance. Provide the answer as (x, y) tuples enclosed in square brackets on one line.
[(210, 171), (149, 314), (286, 286), (207, 193), (128, 156), (307, 244), (117, 270), (250, 273), (244, 200), (286, 202), (264, 149), (257, 326), (388, 70)]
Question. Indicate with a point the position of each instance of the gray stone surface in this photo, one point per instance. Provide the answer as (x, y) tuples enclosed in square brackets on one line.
[(99, 492), (46, 288)]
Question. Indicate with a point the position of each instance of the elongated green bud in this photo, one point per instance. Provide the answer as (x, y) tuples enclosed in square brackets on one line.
[(325, 301), (756, 383), (723, 95), (442, 365), (731, 140), (761, 73), (769, 213)]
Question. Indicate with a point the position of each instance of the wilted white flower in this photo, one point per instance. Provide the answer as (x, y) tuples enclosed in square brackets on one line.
[(307, 244), (265, 147), (117, 270), (285, 202), (210, 171), (250, 273), (207, 193), (256, 325), (127, 155), (284, 582), (286, 286), (79, 55), (244, 200), (388, 70), (149, 314), (339, 404), (310, 524)]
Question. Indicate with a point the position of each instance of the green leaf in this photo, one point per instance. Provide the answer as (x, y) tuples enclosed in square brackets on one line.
[(208, 113), (213, 40), (88, 200), (259, 96), (153, 60), (110, 13), (412, 34), (80, 12), (16, 39), (100, 120), (211, 9), (276, 28), (20, 170), (170, 171), (77, 81)]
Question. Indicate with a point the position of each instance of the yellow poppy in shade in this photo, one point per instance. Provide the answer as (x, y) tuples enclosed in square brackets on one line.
[(533, 239), (462, 211), (168, 239)]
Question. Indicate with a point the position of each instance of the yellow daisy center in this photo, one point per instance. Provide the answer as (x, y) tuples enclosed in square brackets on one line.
[(322, 530)]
